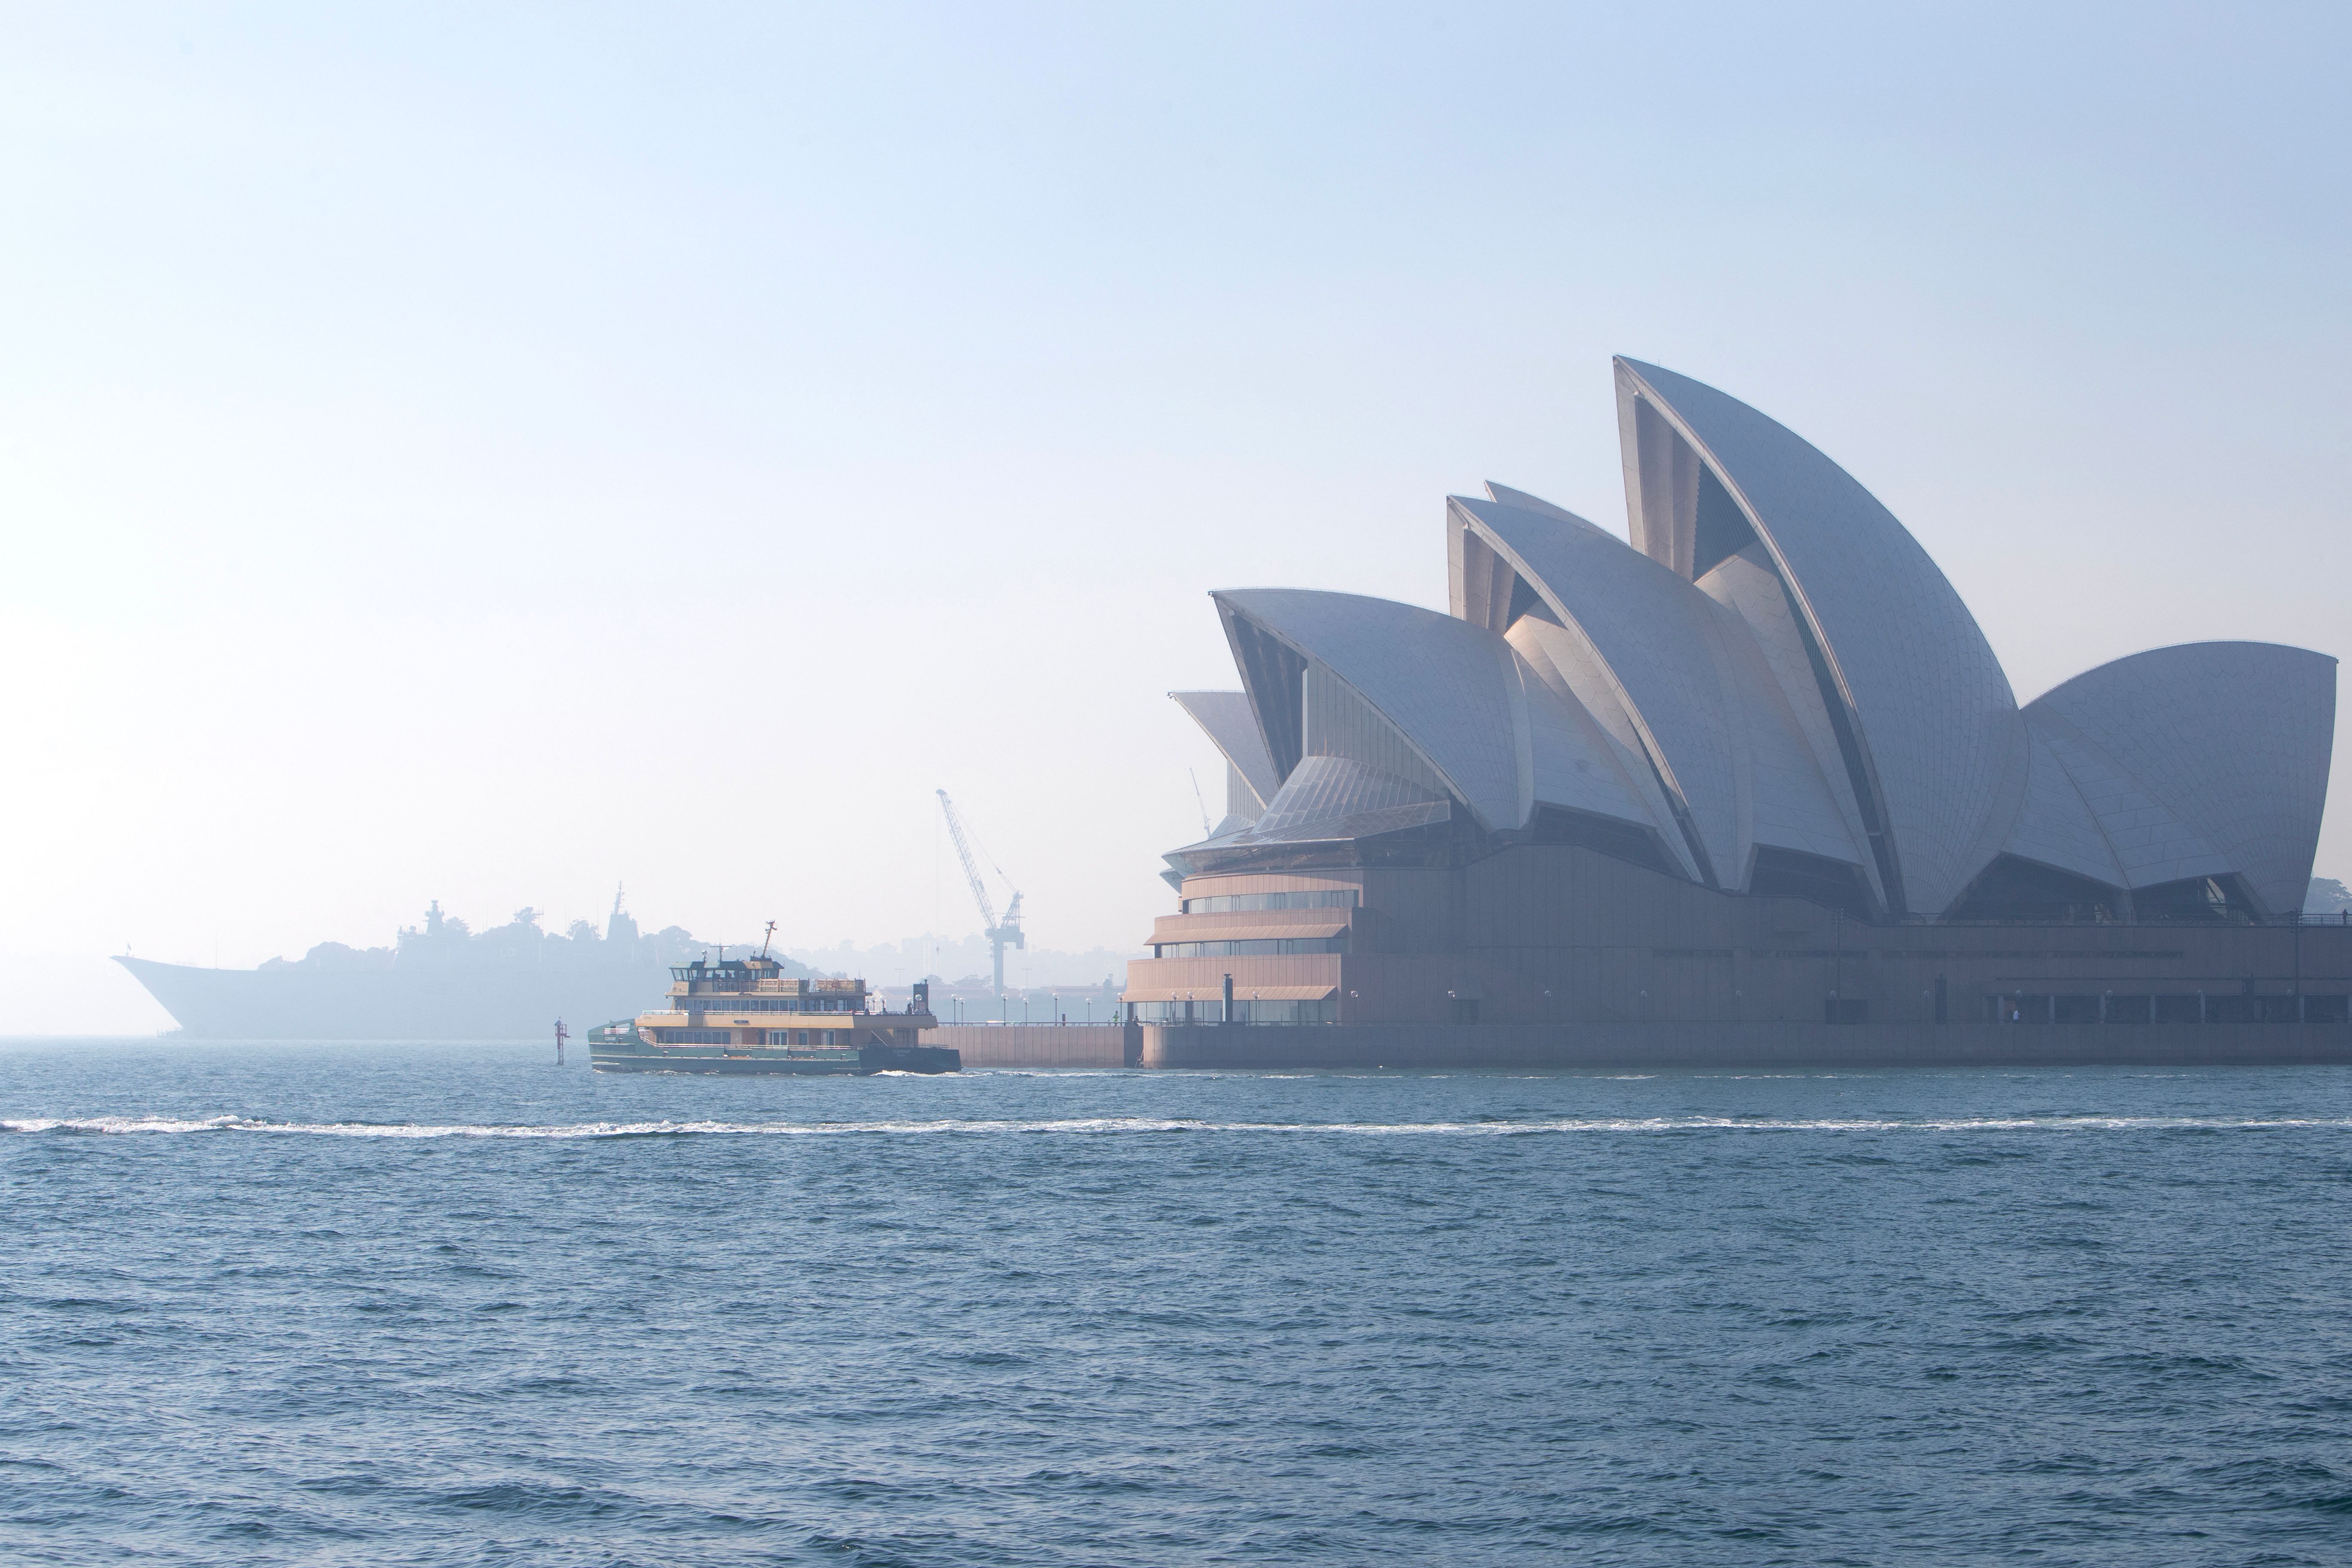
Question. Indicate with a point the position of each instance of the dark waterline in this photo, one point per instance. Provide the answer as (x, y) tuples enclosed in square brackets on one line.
[(437, 1304)]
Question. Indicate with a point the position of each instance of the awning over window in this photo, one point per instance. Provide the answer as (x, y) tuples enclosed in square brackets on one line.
[(1170, 930), (1213, 994)]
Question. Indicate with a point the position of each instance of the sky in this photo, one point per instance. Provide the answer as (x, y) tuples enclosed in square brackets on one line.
[(495, 454)]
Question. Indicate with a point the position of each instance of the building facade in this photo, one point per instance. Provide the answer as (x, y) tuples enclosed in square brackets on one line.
[(1760, 767)]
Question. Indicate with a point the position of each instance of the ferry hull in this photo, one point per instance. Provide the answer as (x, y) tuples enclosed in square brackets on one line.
[(755, 1062)]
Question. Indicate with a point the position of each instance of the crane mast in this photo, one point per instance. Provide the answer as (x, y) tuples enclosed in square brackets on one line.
[(1000, 935)]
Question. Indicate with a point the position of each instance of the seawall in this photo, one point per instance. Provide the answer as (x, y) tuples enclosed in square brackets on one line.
[(1042, 1045), (1754, 1045)]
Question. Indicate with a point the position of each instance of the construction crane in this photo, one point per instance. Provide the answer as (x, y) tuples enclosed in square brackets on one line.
[(1000, 936)]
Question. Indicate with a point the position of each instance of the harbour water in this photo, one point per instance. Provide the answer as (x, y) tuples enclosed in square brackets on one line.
[(447, 1304)]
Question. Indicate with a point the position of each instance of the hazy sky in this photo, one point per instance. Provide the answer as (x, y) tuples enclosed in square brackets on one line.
[(491, 453)]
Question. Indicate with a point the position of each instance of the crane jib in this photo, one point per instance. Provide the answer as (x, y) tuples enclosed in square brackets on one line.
[(1000, 934)]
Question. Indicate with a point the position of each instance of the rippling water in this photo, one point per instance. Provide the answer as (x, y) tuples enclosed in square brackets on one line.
[(435, 1304)]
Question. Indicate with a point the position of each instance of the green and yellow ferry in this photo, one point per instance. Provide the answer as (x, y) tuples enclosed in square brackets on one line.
[(745, 1015)]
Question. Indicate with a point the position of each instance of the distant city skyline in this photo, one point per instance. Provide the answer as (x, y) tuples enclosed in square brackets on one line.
[(491, 457)]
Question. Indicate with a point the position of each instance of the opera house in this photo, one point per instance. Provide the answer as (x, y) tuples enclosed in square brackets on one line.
[(1753, 787)]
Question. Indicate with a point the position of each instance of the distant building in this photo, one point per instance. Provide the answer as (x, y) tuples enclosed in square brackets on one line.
[(1760, 767)]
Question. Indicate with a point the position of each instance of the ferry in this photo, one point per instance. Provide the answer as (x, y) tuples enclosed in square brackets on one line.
[(746, 1016)]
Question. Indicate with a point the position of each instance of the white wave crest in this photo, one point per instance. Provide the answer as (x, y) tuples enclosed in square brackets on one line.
[(1128, 1124)]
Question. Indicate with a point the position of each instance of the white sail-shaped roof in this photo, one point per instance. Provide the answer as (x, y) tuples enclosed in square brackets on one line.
[(1576, 764), (2207, 757), (1225, 717), (1805, 799), (2058, 827), (1771, 684), (1329, 797), (1449, 690), (1701, 710), (1656, 640), (1930, 734)]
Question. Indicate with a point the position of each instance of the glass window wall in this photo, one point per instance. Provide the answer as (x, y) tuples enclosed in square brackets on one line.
[(1261, 948), (1209, 1009), (1230, 903)]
